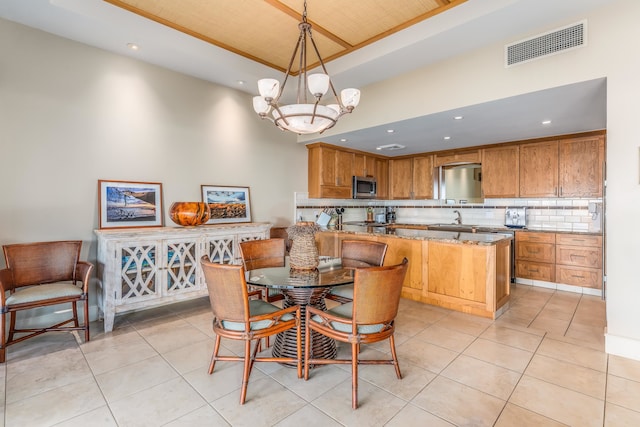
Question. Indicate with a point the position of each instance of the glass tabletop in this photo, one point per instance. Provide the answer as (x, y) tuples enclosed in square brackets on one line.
[(329, 273)]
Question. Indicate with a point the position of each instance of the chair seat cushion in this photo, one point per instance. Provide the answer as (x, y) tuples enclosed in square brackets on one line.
[(346, 311), (256, 308), (43, 293), (345, 291)]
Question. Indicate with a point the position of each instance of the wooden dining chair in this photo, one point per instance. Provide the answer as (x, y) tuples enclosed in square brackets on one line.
[(368, 319), (262, 254), (237, 317), (353, 254), (43, 274)]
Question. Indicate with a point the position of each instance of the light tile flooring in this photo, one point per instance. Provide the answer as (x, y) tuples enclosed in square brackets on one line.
[(540, 364)]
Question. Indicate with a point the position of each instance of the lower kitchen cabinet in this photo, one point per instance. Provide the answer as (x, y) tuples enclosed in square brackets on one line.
[(149, 267), (564, 258)]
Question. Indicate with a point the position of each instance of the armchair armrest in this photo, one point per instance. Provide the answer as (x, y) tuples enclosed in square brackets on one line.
[(6, 284), (83, 272)]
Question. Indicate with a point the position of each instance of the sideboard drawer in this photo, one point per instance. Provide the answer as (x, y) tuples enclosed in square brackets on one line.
[(579, 256), (578, 240), (542, 252)]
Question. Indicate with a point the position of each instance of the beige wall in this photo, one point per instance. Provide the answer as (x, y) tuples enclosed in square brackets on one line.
[(71, 114), (480, 76)]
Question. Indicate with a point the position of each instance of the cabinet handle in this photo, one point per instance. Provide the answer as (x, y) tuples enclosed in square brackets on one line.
[(534, 271), (531, 251), (577, 277), (555, 190), (561, 190), (572, 256)]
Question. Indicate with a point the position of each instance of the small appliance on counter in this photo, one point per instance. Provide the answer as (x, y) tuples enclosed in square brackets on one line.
[(391, 215), (515, 217), (380, 218)]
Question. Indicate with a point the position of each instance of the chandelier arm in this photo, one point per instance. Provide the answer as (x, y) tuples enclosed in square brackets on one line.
[(333, 89), (315, 109)]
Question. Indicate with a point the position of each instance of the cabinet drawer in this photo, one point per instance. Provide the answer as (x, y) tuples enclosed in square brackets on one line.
[(526, 236), (335, 192), (579, 276), (578, 240), (543, 252), (535, 270), (579, 255)]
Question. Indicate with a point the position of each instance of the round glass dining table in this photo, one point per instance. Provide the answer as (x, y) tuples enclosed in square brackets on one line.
[(304, 287)]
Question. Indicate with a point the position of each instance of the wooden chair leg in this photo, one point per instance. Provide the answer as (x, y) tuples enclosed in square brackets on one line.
[(86, 320), (3, 348), (74, 308), (395, 357), (12, 325), (299, 348), (216, 348), (307, 349), (354, 375), (246, 370)]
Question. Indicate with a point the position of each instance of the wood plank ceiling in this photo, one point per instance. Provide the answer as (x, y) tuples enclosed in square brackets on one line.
[(267, 30)]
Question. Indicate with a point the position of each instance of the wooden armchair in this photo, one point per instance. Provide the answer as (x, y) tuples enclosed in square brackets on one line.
[(262, 254), (369, 318), (353, 254), (38, 275), (237, 317)]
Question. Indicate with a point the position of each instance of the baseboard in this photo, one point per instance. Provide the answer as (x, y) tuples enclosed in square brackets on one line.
[(622, 346)]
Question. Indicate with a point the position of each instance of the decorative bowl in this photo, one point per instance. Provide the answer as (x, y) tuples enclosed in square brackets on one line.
[(189, 213)]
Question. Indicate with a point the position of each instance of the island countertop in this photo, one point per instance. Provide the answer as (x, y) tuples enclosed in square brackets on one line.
[(477, 238)]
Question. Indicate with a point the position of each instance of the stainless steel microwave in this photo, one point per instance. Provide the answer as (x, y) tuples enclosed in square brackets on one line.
[(364, 187)]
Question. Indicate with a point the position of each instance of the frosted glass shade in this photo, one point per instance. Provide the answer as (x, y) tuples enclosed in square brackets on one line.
[(318, 84), (268, 88), (350, 97), (299, 118), (260, 105)]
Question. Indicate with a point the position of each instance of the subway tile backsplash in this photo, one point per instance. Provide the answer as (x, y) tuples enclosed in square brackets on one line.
[(542, 214)]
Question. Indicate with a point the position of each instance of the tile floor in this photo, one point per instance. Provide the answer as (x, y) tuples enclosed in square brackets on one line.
[(540, 364)]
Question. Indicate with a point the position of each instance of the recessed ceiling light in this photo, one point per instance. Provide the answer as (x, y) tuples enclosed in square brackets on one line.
[(447, 138), (241, 82), (546, 122), (343, 139), (391, 147), (458, 118), (133, 46), (390, 131)]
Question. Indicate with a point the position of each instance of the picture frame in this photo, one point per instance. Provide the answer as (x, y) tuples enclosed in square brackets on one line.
[(227, 204), (128, 204)]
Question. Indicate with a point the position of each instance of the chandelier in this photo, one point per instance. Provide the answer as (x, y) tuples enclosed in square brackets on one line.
[(304, 117)]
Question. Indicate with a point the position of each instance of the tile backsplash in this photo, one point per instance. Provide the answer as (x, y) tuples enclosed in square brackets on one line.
[(580, 215)]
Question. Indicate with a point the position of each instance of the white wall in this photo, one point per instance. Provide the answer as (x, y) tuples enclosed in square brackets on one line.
[(71, 114), (480, 76)]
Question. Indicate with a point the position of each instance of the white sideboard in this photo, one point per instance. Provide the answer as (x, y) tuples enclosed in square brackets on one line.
[(147, 267)]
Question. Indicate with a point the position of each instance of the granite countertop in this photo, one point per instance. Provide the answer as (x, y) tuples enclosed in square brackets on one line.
[(478, 238)]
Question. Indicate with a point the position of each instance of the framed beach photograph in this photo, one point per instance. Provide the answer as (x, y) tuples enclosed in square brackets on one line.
[(227, 204), (129, 204)]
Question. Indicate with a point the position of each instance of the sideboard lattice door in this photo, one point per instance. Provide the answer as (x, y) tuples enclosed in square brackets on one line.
[(221, 249), (181, 261), (139, 273)]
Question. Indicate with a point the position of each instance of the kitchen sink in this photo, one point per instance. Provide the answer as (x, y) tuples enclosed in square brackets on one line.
[(463, 228)]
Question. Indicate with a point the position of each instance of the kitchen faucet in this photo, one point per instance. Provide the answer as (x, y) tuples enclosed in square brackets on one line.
[(458, 219)]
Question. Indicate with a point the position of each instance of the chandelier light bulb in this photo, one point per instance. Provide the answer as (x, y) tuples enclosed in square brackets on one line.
[(350, 97), (268, 88), (318, 84)]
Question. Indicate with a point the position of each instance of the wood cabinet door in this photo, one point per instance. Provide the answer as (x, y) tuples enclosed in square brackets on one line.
[(501, 172), (381, 167), (343, 168), (581, 164), (539, 169), (400, 178), (422, 177)]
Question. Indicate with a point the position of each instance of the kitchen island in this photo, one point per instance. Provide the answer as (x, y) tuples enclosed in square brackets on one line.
[(467, 272)]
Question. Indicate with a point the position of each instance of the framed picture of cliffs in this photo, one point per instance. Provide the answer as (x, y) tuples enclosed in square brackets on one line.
[(129, 204), (227, 204)]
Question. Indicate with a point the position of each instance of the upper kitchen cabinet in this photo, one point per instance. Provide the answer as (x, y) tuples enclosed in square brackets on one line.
[(411, 178), (581, 165), (539, 169), (571, 167), (500, 172), (330, 172)]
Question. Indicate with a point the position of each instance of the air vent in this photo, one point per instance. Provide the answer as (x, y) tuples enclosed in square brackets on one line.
[(557, 41), (391, 147)]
